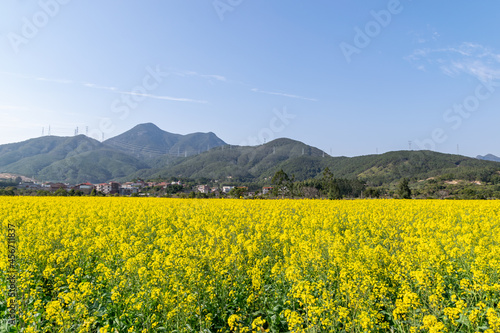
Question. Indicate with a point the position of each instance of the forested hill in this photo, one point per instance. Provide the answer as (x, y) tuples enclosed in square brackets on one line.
[(148, 152), (305, 162)]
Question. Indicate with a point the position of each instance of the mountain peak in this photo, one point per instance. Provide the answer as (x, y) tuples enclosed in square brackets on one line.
[(146, 126), (489, 157), (147, 140)]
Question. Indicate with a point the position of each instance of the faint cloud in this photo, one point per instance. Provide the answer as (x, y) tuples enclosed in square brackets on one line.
[(429, 34), (221, 78), (205, 76), (112, 89), (54, 80), (284, 95), (95, 86), (468, 58), (216, 77), (166, 98)]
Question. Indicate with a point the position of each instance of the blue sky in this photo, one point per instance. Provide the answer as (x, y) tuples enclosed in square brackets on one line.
[(349, 77)]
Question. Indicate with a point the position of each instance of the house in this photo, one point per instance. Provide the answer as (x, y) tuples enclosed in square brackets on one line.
[(267, 189), (84, 187), (56, 186), (227, 189), (100, 187), (109, 188), (203, 189), (129, 188)]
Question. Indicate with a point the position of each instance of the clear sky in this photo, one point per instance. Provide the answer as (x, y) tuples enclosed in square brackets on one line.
[(349, 77)]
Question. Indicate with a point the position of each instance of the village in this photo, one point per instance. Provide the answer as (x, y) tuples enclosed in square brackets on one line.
[(141, 188)]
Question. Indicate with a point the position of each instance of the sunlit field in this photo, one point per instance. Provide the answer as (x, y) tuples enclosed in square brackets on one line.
[(173, 265)]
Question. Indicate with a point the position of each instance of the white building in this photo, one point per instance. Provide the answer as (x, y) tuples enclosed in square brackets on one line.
[(203, 189), (227, 189)]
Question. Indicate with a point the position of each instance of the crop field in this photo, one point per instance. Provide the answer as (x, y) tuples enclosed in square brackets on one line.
[(180, 265)]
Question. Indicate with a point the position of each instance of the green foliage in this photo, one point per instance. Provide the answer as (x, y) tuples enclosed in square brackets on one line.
[(237, 192), (7, 183), (61, 192), (78, 159), (173, 189), (404, 191), (9, 191), (283, 184), (371, 192)]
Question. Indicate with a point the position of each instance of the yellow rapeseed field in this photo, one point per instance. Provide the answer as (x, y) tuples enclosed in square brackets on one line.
[(174, 265)]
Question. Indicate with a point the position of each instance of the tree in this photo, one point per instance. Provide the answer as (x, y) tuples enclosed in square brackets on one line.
[(61, 192), (330, 185), (404, 191), (237, 192), (310, 192), (371, 192), (283, 184), (173, 189)]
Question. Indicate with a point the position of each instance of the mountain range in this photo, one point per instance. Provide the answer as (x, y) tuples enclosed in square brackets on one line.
[(147, 152), (489, 157)]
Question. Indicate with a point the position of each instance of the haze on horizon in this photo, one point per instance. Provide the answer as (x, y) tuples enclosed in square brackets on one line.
[(347, 77)]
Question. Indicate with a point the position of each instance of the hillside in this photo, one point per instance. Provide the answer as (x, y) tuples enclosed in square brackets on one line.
[(137, 154), (80, 158), (238, 162), (69, 159), (305, 162), (489, 157)]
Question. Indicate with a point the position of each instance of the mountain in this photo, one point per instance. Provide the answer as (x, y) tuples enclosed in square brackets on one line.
[(94, 166), (148, 141), (305, 162), (80, 158), (70, 159), (148, 152), (238, 162), (489, 157), (392, 166)]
